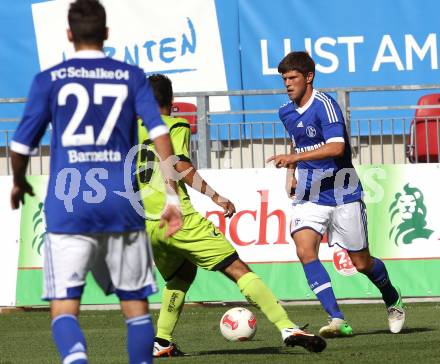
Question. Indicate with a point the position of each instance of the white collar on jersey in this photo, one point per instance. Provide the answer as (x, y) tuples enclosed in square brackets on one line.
[(303, 109), (89, 53)]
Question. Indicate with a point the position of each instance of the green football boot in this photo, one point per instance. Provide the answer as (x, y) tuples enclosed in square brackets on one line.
[(336, 328)]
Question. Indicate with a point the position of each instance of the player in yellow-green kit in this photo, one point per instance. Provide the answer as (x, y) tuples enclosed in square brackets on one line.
[(199, 243)]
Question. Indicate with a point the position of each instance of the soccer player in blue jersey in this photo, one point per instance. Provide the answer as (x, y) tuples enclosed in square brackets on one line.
[(328, 194), (93, 103), (199, 243)]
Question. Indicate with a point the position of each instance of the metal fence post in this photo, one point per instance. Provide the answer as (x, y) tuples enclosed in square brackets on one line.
[(203, 131), (344, 103)]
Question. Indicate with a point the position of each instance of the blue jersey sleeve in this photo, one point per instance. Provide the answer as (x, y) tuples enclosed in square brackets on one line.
[(332, 121), (282, 114), (36, 117), (146, 105)]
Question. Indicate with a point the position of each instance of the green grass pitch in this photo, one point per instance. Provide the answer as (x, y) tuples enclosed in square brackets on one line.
[(25, 337)]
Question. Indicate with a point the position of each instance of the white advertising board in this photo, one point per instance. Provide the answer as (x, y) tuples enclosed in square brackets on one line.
[(9, 244)]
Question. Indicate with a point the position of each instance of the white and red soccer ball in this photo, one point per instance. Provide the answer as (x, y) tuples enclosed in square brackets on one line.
[(238, 324)]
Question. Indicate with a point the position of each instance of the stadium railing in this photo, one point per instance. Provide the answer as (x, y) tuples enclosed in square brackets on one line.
[(243, 137)]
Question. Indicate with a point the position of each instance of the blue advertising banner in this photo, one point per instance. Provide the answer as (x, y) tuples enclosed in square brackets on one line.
[(370, 43), (215, 45), (194, 42), (353, 43), (19, 57)]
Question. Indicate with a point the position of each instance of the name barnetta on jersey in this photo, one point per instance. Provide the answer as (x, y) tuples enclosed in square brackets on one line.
[(97, 73), (95, 156)]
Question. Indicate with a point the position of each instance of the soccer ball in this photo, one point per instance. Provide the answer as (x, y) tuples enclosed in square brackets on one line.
[(238, 324)]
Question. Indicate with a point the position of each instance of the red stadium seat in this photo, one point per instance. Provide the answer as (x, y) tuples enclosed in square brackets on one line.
[(424, 138), (187, 107)]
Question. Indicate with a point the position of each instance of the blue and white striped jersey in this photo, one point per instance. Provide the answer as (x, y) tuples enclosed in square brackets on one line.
[(331, 181), (92, 103)]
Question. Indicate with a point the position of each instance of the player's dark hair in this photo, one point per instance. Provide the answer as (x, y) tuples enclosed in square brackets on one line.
[(297, 61), (162, 89), (87, 22)]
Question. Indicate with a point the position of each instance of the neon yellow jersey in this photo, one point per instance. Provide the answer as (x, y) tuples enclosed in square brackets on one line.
[(151, 184)]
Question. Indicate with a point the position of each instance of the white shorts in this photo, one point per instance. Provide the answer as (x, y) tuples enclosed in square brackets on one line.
[(346, 224), (121, 263)]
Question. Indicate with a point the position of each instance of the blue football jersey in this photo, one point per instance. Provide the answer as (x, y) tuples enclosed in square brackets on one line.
[(93, 103), (330, 181)]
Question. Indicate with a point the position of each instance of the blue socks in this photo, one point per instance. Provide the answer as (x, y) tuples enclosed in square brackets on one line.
[(140, 339), (319, 282), (71, 343), (69, 339), (379, 276)]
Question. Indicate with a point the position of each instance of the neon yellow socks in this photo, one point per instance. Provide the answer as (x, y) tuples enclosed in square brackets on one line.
[(173, 298), (252, 287), (258, 294)]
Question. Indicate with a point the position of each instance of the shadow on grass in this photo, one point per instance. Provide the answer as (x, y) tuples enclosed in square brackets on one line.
[(248, 351), (405, 331)]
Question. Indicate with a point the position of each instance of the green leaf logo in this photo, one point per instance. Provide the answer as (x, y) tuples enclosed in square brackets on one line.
[(39, 229)]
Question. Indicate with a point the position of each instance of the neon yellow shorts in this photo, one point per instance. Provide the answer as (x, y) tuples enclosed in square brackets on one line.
[(198, 241)]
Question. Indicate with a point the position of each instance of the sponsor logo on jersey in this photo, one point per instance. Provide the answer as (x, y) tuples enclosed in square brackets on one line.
[(309, 148), (300, 125)]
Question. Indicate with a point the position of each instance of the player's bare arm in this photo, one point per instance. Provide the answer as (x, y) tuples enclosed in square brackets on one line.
[(193, 179), (21, 185), (329, 150), (291, 181), (171, 215)]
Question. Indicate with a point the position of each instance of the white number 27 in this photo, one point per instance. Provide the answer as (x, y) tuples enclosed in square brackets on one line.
[(100, 90)]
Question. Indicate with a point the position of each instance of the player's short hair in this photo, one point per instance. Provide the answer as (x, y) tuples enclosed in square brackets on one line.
[(162, 89), (87, 22), (297, 61)]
